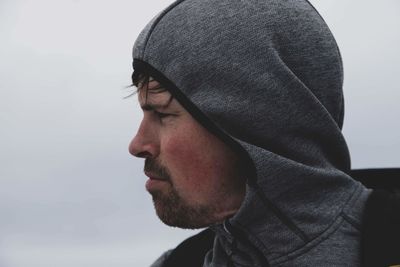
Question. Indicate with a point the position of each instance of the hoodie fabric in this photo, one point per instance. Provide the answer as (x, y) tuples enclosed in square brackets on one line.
[(266, 77)]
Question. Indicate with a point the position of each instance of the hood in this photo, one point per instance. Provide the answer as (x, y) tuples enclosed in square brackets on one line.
[(266, 77)]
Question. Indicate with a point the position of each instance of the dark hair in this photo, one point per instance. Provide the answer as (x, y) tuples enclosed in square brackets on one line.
[(141, 81), (140, 78)]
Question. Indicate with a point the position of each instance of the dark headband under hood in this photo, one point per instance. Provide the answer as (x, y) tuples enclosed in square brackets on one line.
[(265, 76)]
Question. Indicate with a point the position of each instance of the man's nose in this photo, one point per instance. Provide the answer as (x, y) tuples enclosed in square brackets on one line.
[(144, 144)]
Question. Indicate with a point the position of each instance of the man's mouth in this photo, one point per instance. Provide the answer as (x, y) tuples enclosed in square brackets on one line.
[(154, 177), (154, 182)]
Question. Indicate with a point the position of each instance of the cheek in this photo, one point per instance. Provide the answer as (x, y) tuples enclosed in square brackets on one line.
[(187, 160)]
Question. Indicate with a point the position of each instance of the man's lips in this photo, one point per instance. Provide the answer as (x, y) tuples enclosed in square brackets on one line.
[(154, 177), (154, 182)]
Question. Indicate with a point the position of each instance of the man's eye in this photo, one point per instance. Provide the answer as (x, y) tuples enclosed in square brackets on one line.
[(161, 115)]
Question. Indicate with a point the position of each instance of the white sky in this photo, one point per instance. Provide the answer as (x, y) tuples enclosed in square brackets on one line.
[(70, 194)]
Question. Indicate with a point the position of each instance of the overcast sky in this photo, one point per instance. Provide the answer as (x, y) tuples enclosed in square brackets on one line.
[(70, 194)]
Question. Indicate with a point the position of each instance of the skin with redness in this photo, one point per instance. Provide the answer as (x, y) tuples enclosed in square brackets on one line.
[(195, 179)]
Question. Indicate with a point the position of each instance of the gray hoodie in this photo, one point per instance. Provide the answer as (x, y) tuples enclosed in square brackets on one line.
[(266, 77)]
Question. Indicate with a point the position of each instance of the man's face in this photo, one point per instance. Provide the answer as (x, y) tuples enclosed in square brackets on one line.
[(194, 178)]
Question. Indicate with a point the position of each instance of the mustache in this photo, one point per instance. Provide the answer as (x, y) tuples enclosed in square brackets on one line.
[(152, 166)]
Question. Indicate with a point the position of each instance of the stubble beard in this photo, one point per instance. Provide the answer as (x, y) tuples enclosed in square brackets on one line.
[(172, 209)]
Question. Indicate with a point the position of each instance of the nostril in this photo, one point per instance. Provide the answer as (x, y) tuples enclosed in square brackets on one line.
[(143, 154)]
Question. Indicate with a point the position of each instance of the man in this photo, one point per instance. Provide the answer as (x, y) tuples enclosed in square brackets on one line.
[(243, 109)]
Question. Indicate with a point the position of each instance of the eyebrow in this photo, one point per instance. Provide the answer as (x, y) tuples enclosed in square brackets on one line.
[(149, 107)]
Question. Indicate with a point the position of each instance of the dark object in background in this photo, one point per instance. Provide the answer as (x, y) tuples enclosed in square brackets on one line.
[(387, 179), (381, 228)]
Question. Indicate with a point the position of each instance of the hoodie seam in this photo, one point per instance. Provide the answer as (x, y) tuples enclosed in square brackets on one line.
[(156, 22), (281, 216), (337, 223), (351, 221)]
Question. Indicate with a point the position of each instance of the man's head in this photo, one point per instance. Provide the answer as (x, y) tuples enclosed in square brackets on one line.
[(195, 179), (266, 78)]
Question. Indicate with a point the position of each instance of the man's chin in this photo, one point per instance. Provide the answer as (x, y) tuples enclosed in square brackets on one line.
[(173, 213), (182, 224)]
